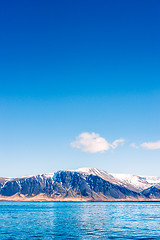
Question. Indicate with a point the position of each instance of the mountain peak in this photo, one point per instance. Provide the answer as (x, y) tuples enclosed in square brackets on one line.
[(87, 170), (93, 171), (83, 184)]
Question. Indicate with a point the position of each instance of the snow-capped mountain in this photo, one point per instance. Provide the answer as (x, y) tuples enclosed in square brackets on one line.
[(137, 182), (140, 182), (83, 184)]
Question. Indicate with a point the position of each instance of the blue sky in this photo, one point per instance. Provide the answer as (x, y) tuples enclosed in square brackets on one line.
[(73, 67)]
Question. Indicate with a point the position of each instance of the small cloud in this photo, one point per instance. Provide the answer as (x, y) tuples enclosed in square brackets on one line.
[(134, 145), (117, 142), (151, 145), (147, 145), (93, 143)]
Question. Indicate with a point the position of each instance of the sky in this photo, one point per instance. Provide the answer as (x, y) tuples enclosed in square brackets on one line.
[(79, 86)]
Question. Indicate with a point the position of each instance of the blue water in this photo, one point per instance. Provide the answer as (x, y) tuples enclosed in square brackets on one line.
[(108, 220)]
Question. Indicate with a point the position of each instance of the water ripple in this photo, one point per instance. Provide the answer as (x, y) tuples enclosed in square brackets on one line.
[(108, 220)]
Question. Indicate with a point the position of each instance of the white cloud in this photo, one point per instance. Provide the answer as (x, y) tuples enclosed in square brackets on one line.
[(93, 143), (147, 145), (117, 142), (134, 145), (151, 145)]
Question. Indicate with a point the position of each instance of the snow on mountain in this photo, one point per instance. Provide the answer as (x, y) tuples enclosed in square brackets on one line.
[(127, 180), (93, 171), (152, 179), (107, 176), (132, 182), (82, 184), (141, 182), (100, 173)]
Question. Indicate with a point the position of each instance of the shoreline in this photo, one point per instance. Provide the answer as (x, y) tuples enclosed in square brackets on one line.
[(34, 199)]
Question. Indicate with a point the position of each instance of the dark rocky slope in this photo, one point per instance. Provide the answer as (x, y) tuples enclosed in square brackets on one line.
[(67, 184), (3, 181), (152, 192), (91, 185)]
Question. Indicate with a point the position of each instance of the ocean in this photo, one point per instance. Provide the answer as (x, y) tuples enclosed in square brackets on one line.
[(77, 220)]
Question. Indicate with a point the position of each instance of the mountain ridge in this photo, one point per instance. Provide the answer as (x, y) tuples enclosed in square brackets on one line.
[(83, 184)]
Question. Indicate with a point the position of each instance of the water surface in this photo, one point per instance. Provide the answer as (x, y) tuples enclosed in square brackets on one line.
[(101, 220)]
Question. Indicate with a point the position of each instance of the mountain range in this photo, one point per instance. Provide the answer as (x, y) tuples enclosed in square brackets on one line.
[(83, 184)]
